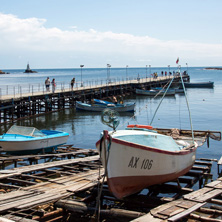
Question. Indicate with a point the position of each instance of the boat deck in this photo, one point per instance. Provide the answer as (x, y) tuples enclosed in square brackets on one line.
[(68, 188)]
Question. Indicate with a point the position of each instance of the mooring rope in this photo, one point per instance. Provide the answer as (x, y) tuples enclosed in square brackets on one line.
[(191, 126), (147, 104), (100, 186), (161, 100)]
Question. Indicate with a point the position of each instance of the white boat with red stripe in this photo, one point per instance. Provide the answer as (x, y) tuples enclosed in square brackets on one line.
[(138, 157)]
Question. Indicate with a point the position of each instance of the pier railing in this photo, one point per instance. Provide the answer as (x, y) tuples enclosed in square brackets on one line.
[(18, 91)]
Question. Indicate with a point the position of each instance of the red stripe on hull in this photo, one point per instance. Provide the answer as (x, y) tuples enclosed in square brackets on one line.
[(153, 149), (125, 186)]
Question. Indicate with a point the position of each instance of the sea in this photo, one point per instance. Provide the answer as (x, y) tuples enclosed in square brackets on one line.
[(202, 109)]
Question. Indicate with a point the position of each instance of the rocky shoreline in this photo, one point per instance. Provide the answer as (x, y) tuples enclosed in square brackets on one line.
[(1, 72), (213, 68)]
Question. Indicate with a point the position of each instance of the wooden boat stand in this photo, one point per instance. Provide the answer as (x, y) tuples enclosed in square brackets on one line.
[(67, 190)]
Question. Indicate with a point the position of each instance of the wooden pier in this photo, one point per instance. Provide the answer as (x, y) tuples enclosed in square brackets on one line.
[(14, 107), (65, 186)]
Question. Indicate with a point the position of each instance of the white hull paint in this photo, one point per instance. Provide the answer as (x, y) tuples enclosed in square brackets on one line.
[(132, 167), (32, 144)]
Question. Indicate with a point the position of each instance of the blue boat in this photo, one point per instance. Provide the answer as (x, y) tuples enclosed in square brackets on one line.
[(102, 102), (24, 140), (127, 107)]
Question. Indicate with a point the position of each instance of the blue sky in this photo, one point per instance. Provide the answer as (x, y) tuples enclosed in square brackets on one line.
[(65, 34)]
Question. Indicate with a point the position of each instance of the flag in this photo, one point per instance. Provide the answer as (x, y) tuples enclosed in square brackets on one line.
[(177, 60)]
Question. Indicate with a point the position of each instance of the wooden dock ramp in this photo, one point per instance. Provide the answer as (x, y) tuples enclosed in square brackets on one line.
[(67, 190)]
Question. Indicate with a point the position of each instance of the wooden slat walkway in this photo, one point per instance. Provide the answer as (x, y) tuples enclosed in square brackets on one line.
[(48, 191), (186, 206), (142, 80), (42, 166)]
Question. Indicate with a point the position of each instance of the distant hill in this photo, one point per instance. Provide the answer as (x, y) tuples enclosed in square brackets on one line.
[(214, 68)]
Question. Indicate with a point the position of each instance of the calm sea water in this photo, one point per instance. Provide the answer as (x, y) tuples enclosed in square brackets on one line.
[(84, 128)]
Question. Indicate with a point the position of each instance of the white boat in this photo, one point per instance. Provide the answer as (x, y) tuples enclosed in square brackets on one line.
[(139, 157), (155, 92), (21, 139), (127, 107)]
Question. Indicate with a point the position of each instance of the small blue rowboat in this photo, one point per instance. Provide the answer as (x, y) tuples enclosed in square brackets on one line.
[(102, 102), (24, 140)]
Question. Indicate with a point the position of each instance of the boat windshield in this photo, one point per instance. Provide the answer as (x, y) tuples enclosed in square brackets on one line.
[(25, 131)]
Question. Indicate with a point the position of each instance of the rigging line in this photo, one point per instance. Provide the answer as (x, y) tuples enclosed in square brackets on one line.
[(191, 126), (179, 112), (145, 106), (100, 189), (161, 100)]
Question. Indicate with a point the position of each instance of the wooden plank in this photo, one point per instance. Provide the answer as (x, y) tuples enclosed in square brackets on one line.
[(215, 184), (171, 211), (147, 218), (41, 199), (209, 195), (186, 212), (220, 161), (186, 204), (16, 218), (194, 195), (197, 217), (216, 201), (26, 169), (9, 186), (24, 182), (14, 194), (79, 151), (163, 207)]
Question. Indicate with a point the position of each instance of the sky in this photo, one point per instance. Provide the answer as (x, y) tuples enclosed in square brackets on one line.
[(94, 33)]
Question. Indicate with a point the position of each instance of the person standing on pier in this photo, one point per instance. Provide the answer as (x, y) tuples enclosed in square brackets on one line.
[(47, 84), (53, 85), (72, 83)]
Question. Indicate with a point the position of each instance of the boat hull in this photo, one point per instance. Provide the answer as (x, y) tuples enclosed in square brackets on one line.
[(154, 92), (132, 167), (99, 108), (23, 144), (199, 85)]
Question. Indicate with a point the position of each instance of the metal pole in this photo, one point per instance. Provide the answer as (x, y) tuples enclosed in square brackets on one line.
[(81, 66), (126, 73)]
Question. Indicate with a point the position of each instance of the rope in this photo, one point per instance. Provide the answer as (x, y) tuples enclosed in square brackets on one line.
[(161, 100), (191, 126), (147, 104), (100, 188)]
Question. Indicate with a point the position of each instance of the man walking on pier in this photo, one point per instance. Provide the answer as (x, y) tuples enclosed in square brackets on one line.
[(47, 84)]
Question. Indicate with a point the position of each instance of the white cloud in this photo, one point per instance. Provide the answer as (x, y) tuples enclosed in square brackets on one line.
[(31, 35)]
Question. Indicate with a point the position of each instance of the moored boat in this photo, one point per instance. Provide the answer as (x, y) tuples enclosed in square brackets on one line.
[(199, 84), (127, 107), (177, 89), (102, 102), (21, 139), (155, 92), (139, 156)]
